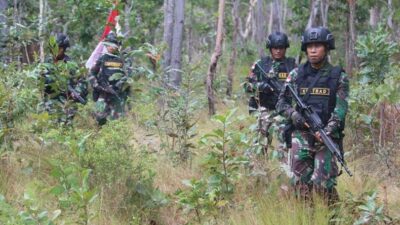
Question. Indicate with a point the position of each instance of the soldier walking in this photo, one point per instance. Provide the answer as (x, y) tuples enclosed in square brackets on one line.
[(108, 79), (325, 88), (263, 95), (63, 87)]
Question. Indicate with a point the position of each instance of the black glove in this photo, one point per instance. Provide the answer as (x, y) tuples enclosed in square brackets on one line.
[(298, 120), (264, 87)]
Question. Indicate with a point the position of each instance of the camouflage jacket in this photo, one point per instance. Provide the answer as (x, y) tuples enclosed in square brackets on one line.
[(261, 71), (334, 124)]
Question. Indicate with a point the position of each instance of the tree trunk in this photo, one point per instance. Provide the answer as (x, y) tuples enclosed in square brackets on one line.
[(232, 60), (395, 32), (324, 12), (260, 27), (245, 33), (276, 16), (41, 29), (284, 15), (190, 34), (168, 28), (214, 59), (3, 7), (351, 55), (313, 12), (4, 31), (176, 52), (318, 13), (374, 16), (127, 11)]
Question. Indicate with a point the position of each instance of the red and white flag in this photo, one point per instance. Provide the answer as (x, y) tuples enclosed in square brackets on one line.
[(112, 22)]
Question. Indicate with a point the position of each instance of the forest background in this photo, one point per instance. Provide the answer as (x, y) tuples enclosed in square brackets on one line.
[(180, 156)]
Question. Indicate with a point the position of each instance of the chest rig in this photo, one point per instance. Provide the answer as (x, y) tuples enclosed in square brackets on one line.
[(319, 90), (111, 64), (269, 100)]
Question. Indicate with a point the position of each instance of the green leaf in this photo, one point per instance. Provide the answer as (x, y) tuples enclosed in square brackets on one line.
[(219, 118), (58, 190), (366, 118)]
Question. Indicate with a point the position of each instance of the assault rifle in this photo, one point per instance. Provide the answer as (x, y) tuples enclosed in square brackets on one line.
[(76, 94), (313, 121), (110, 90), (273, 82)]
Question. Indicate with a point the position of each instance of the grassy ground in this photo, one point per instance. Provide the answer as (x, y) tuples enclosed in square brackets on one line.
[(262, 200)]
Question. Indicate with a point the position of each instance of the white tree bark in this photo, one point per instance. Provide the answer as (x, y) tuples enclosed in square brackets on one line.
[(374, 14), (318, 13), (168, 30), (260, 25), (284, 16), (351, 58), (214, 59), (127, 13), (313, 13), (244, 33), (3, 19), (177, 37), (3, 7), (324, 7), (42, 6), (276, 16), (232, 60)]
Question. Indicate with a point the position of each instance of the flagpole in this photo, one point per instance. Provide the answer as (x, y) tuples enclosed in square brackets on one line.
[(112, 21)]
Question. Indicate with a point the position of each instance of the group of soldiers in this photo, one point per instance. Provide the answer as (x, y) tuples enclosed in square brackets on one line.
[(322, 87), (107, 79)]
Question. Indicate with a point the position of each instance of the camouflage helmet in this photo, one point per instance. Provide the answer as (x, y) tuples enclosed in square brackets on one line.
[(277, 40), (62, 40), (112, 40), (317, 35)]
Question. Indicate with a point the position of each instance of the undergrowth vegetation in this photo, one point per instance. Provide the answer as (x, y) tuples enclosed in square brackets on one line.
[(167, 163)]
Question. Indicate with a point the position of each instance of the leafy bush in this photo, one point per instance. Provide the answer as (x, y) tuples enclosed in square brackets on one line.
[(222, 171)]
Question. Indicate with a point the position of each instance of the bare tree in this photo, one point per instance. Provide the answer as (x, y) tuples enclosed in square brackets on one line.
[(324, 8), (3, 7), (214, 59), (276, 16), (351, 58), (189, 39), (42, 7), (168, 29), (244, 32), (127, 12), (374, 14), (284, 14), (177, 36), (3, 19), (318, 13), (232, 60), (390, 23), (260, 27)]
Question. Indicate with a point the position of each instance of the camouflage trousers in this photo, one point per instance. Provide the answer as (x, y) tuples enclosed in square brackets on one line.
[(314, 167), (272, 125), (109, 107)]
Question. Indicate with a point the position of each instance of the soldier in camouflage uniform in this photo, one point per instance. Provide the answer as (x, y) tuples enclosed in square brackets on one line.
[(263, 96), (63, 91), (108, 80), (325, 88)]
